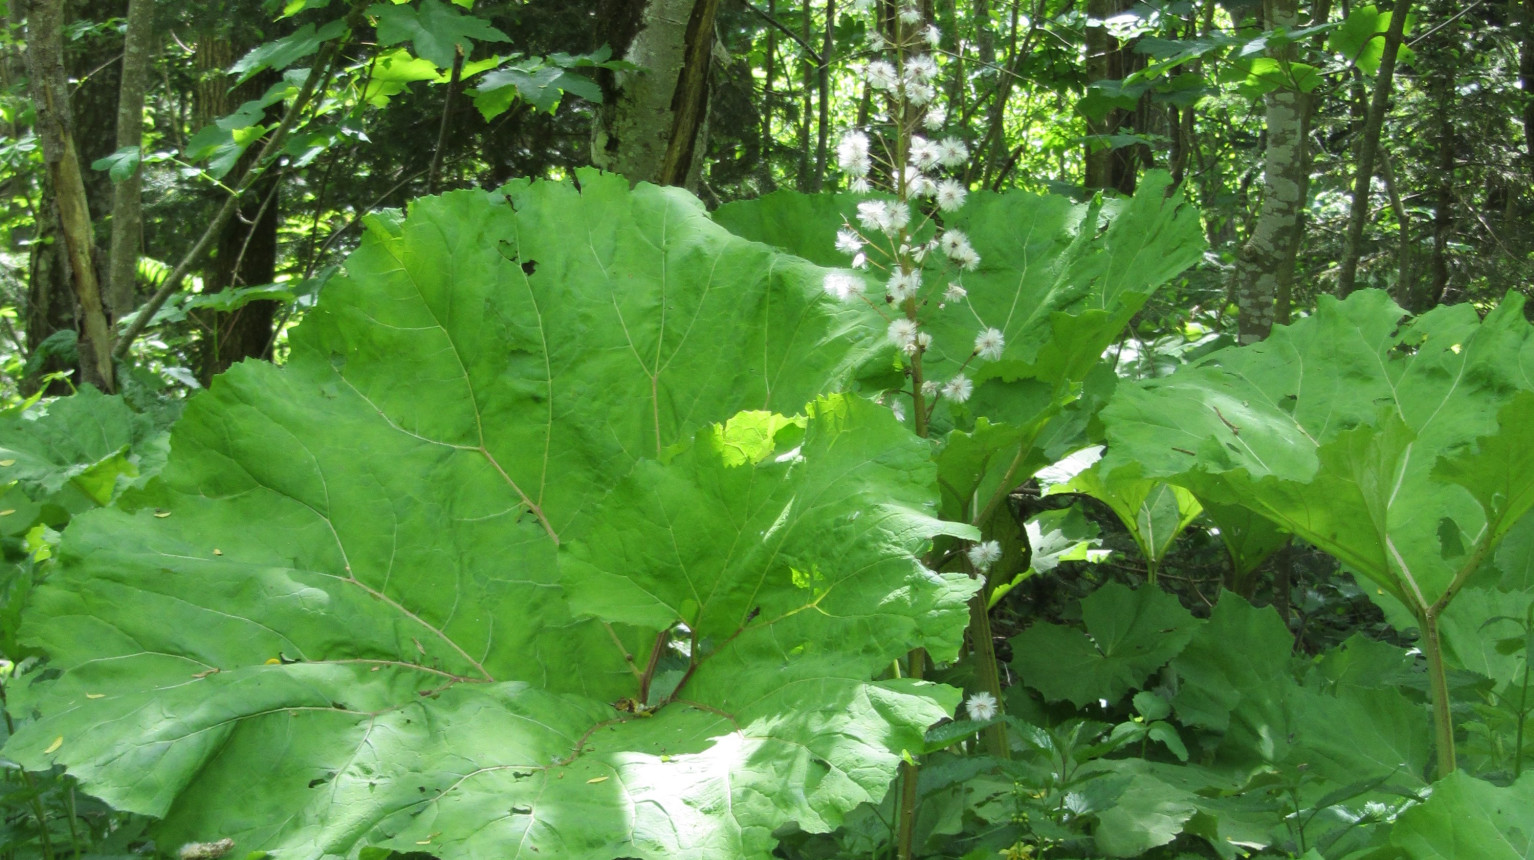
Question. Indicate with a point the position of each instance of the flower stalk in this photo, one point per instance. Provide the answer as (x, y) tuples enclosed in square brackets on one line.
[(906, 239)]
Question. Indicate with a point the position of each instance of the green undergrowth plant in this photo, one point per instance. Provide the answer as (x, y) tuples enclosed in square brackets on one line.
[(548, 542), (1159, 734), (555, 537), (1400, 445), (58, 459)]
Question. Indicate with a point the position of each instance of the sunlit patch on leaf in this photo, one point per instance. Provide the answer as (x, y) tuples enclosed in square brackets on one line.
[(405, 577)]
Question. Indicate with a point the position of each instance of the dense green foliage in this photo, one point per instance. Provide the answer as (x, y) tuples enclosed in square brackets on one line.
[(894, 490)]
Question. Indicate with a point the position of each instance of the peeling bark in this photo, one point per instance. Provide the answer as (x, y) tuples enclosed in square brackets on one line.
[(656, 128), (50, 97), (1267, 258)]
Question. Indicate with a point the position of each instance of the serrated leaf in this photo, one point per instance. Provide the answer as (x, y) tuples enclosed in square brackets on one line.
[(1398, 445), (1146, 813), (1154, 513), (80, 445), (435, 30), (1234, 660), (1129, 634), (281, 53), (1234, 676), (1249, 538), (753, 544), (1060, 280), (1469, 819), (360, 591)]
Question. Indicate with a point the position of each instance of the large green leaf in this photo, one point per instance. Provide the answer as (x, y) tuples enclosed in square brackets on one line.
[(1235, 676), (1058, 279), (409, 590), (1468, 819), (1399, 445), (1154, 513), (434, 29), (76, 453), (1129, 634)]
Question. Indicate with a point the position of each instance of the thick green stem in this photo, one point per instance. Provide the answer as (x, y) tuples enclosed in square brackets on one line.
[(908, 776), (1523, 717), (986, 673), (1438, 682)]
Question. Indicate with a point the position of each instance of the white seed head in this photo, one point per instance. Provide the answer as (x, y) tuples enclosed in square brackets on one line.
[(902, 285), (950, 194), (881, 76), (989, 344), (921, 68), (902, 332), (980, 706), (842, 286), (983, 555), (958, 389), (953, 152)]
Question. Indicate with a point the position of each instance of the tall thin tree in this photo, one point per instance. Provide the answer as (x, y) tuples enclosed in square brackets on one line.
[(1368, 146)]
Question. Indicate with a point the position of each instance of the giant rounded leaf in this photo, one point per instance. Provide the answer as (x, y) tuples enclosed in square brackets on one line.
[(1403, 446), (491, 569)]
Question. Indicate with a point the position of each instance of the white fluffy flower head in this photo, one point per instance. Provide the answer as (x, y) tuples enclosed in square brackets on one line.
[(921, 68), (902, 332), (874, 215), (953, 152), (842, 286), (983, 555), (881, 75), (980, 706), (989, 344), (950, 194), (958, 389), (852, 153), (902, 285)]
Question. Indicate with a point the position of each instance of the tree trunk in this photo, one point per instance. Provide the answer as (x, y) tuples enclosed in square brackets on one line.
[(656, 128), (1526, 79), (1379, 103), (127, 208), (769, 100), (823, 84), (246, 251), (807, 88), (1442, 86), (50, 98), (1267, 255), (1115, 167)]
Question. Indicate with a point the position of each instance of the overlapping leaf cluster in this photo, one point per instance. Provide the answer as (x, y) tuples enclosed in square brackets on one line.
[(496, 566), (1059, 280), (1400, 445)]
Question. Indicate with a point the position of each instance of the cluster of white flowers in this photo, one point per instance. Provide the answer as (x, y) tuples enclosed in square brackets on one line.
[(925, 169)]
